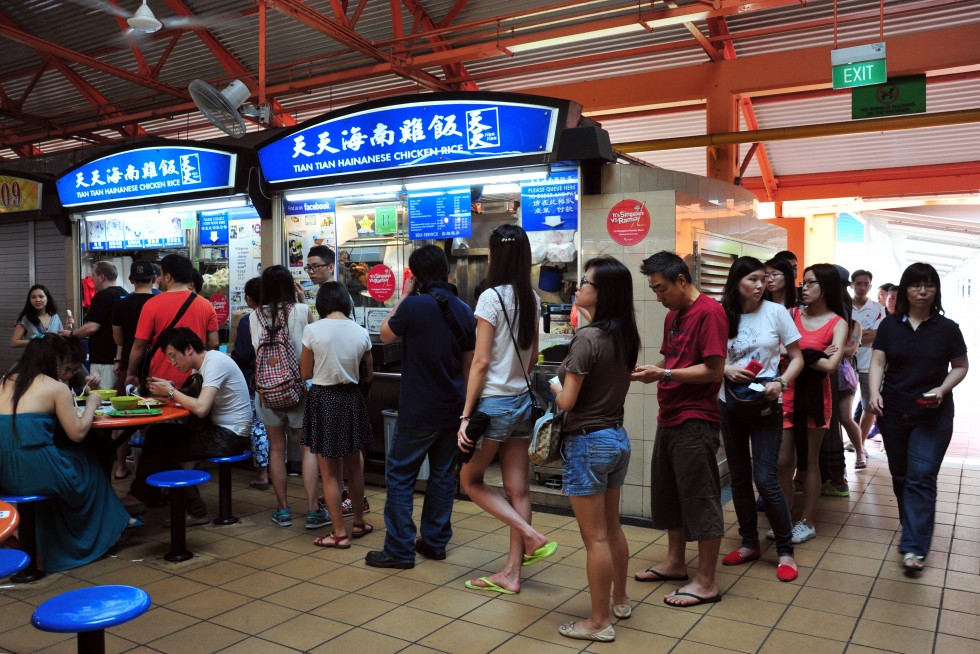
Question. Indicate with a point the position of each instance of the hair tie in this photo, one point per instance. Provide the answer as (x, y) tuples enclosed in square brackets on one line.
[(507, 239)]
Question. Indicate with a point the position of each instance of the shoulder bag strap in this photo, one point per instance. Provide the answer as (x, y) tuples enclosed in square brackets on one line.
[(513, 340), (173, 323), (450, 319)]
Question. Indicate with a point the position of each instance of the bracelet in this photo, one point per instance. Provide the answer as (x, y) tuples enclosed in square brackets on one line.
[(466, 418), (781, 382), (173, 389)]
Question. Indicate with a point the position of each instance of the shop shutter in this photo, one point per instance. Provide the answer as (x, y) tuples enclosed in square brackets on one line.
[(714, 255), (49, 263), (14, 282)]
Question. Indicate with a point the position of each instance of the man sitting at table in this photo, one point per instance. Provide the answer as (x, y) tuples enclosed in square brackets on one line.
[(220, 422)]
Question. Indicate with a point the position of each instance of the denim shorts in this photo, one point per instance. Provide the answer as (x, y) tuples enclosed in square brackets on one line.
[(292, 418), (594, 462), (510, 416)]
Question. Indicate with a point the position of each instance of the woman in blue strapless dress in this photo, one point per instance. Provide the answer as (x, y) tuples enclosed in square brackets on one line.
[(84, 518)]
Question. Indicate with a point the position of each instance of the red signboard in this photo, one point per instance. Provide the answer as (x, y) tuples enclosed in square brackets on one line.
[(628, 222), (220, 304), (381, 282)]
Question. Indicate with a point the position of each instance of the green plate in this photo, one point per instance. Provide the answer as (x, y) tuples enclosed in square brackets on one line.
[(132, 412)]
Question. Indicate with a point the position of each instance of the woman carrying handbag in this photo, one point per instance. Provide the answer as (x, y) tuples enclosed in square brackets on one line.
[(497, 388)]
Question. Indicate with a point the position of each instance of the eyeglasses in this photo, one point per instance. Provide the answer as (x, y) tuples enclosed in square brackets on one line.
[(172, 357), (774, 275), (313, 267), (922, 286), (584, 282), (807, 283)]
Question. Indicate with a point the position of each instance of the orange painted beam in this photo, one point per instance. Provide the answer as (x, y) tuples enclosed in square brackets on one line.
[(882, 182), (784, 72), (795, 236)]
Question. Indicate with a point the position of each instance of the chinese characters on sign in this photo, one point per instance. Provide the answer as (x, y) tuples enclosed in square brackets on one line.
[(410, 135), (437, 214), (551, 203), (147, 173)]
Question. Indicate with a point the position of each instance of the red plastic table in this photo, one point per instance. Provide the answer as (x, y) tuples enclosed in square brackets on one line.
[(169, 413), (8, 520)]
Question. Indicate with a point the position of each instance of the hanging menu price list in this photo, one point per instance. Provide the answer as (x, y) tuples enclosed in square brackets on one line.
[(438, 214)]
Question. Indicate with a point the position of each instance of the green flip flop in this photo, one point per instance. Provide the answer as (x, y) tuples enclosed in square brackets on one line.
[(541, 553), (488, 585)]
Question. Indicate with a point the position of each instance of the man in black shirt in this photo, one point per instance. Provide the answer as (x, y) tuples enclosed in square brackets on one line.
[(126, 314), (98, 323)]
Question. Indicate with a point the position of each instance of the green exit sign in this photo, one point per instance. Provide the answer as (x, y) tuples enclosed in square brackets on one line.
[(864, 73), (861, 65)]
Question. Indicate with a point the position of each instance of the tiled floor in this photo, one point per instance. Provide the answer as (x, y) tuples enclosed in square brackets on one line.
[(260, 588)]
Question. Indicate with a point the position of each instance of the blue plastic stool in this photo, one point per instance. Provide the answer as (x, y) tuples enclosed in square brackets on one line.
[(224, 486), (177, 481), (89, 611), (27, 534), (12, 561)]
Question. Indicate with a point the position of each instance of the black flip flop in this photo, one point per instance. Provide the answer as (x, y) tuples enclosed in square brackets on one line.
[(700, 600), (660, 576)]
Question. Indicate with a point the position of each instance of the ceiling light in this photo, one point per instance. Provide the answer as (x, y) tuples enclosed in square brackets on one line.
[(575, 38), (144, 20)]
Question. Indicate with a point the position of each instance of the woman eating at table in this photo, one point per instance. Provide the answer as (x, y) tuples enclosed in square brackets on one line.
[(83, 518)]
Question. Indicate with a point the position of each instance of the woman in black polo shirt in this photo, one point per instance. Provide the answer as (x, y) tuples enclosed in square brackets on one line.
[(925, 357)]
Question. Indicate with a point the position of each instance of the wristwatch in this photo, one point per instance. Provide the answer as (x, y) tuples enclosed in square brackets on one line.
[(173, 389), (781, 382), (667, 377)]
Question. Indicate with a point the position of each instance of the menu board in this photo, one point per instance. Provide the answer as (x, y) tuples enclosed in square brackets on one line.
[(136, 232), (440, 213), (244, 255), (308, 223)]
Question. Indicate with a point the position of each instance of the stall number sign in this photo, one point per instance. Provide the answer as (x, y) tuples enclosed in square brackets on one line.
[(550, 204), (18, 194), (386, 220), (147, 173), (628, 222), (407, 135)]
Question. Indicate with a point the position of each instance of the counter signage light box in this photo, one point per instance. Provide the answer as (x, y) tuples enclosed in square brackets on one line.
[(550, 204), (149, 173), (214, 223), (415, 134), (440, 213)]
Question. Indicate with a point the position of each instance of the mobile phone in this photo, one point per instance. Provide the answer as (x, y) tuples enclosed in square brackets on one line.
[(754, 367), (927, 399), (928, 396)]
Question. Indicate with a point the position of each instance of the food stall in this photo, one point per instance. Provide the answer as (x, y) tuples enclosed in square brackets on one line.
[(375, 180), (150, 199)]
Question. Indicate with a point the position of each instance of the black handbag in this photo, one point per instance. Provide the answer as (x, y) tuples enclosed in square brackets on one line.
[(537, 406), (744, 402), (477, 426)]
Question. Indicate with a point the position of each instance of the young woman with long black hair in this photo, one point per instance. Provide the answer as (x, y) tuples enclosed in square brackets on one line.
[(506, 349), (39, 316), (756, 330), (595, 377)]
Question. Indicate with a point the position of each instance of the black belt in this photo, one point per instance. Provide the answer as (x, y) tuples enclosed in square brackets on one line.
[(586, 432)]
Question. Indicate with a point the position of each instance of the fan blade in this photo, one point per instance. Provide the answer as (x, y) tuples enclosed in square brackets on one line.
[(202, 22), (103, 6)]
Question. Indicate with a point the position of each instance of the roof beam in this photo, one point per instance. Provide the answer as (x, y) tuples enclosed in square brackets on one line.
[(228, 61), (455, 70)]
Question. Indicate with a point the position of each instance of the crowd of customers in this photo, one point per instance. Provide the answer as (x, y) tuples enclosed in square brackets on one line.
[(770, 371)]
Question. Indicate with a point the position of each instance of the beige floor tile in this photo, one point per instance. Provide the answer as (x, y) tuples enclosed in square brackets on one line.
[(304, 567), (27, 639), (947, 643), (688, 647), (354, 609), (304, 632), (660, 619), (208, 603), (898, 613), (397, 589), (362, 640), (957, 600), (263, 558), (452, 602), (730, 634), (352, 578), (113, 645), (505, 616), (462, 638), (525, 644), (222, 572), (254, 645), (761, 589), (955, 623), (780, 642), (892, 638), (438, 575), (167, 590), (473, 557), (753, 611), (407, 623), (849, 564), (202, 638), (907, 592), (853, 532), (830, 601), (255, 617), (843, 582), (562, 575), (830, 626), (304, 597), (259, 584)]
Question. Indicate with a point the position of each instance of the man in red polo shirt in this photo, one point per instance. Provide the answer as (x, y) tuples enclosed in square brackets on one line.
[(160, 310)]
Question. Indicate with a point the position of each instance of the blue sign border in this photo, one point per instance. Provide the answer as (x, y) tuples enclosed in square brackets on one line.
[(272, 152)]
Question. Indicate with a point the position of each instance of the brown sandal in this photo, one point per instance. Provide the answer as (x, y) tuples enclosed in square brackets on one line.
[(333, 540), (361, 529)]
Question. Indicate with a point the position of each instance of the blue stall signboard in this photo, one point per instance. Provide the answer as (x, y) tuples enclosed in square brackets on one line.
[(442, 213), (299, 207), (406, 135), (551, 203), (214, 227), (147, 173)]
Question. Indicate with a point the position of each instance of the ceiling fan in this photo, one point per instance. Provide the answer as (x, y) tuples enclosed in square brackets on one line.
[(143, 20), (225, 109)]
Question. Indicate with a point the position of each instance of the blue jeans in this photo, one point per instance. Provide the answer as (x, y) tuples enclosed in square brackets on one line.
[(764, 434), (916, 445), (408, 450)]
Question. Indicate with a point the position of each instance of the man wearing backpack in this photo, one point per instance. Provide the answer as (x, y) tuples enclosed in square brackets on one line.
[(438, 337)]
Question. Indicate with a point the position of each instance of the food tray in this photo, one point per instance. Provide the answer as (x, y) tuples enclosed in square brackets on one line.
[(132, 412)]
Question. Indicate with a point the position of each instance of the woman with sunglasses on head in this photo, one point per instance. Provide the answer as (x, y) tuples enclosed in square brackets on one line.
[(752, 434), (808, 401), (39, 316), (506, 350), (594, 379), (919, 356)]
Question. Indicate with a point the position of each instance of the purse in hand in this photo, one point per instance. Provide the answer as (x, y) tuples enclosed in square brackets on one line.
[(475, 429), (546, 441)]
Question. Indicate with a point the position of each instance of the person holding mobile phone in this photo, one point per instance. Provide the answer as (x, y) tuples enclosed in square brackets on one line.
[(919, 356)]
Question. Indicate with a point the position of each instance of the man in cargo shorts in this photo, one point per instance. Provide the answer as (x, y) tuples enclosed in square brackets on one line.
[(686, 489)]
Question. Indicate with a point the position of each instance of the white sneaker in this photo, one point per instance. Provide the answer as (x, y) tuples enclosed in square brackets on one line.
[(771, 535), (803, 533)]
